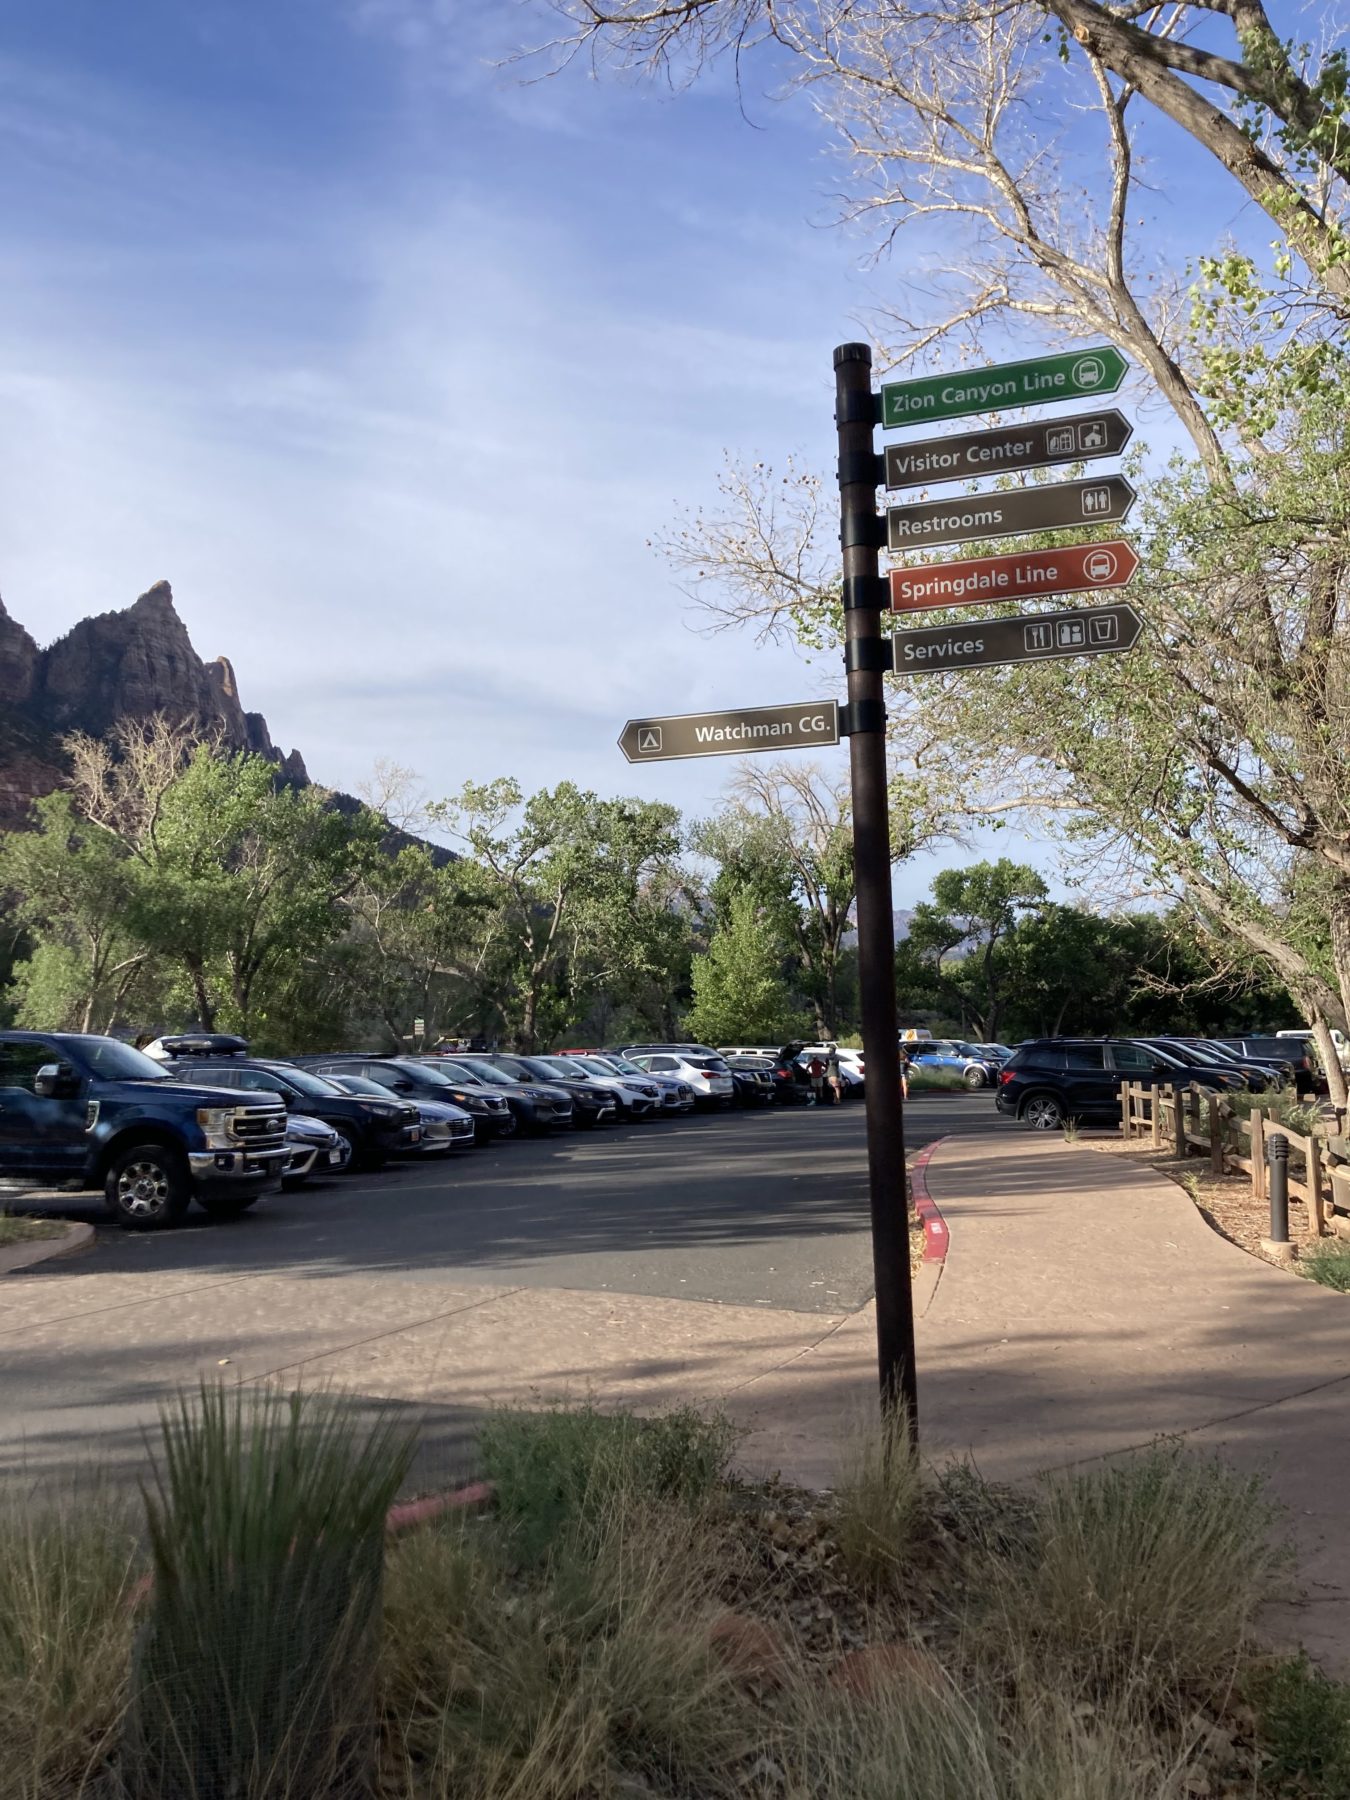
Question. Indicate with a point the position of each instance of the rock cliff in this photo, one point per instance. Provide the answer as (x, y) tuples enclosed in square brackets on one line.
[(119, 665)]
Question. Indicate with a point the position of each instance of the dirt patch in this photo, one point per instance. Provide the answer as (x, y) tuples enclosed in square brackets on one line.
[(15, 1230)]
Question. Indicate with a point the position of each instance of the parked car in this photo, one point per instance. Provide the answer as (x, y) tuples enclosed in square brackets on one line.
[(1255, 1078), (1047, 1081), (95, 1114), (954, 1055), (753, 1080), (312, 1148), (410, 1081), (592, 1106), (851, 1062), (1308, 1077), (704, 1069), (539, 1106), (373, 1130), (445, 1126), (637, 1096), (676, 1095)]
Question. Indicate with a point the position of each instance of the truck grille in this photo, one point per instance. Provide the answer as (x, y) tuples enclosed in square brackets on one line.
[(260, 1127)]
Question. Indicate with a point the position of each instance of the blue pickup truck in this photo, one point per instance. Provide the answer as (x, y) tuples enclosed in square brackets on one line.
[(92, 1113)]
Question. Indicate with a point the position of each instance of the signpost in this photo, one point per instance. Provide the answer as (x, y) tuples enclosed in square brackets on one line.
[(1082, 438), (804, 726), (1068, 376), (1024, 575), (1010, 512), (1031, 637)]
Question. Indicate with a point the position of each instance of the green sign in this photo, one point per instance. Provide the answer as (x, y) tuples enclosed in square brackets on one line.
[(1069, 376)]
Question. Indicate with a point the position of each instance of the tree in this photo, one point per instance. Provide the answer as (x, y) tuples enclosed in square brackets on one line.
[(1214, 754), (975, 910), (74, 886), (571, 903), (739, 992)]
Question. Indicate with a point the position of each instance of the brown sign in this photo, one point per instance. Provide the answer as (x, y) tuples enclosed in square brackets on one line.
[(1070, 569), (1036, 446), (1008, 512), (804, 726), (1031, 637)]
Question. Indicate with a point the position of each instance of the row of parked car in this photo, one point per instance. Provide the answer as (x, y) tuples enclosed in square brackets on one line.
[(1048, 1081), (197, 1117)]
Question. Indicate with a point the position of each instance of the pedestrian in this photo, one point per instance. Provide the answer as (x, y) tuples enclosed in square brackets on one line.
[(904, 1070), (816, 1070), (833, 1077)]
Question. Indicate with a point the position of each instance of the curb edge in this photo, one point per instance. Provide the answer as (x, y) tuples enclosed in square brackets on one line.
[(936, 1238)]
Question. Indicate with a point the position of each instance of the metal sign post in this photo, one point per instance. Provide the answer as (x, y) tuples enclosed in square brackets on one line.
[(866, 656)]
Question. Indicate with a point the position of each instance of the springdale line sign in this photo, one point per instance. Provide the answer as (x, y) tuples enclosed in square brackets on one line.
[(807, 725), (1025, 575)]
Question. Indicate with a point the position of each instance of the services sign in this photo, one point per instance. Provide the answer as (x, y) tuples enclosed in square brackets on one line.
[(1009, 512), (804, 726), (1044, 442), (1069, 569), (1032, 637), (1068, 376)]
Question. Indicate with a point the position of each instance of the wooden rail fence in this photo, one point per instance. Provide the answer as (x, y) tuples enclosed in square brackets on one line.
[(1193, 1120)]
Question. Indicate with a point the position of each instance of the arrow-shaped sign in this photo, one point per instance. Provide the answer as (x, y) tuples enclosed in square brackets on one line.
[(1068, 376), (1069, 569), (1039, 445), (804, 726), (1010, 512), (1033, 637)]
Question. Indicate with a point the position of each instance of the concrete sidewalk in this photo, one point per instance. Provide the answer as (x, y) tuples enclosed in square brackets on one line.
[(1084, 1308)]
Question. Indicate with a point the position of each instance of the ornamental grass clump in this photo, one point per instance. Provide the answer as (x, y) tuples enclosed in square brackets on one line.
[(253, 1676)]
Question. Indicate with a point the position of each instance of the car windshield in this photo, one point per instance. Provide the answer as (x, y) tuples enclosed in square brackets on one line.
[(1168, 1055), (622, 1066), (434, 1080), (1226, 1051), (558, 1065), (487, 1072), (318, 1087), (119, 1062), (715, 1063), (359, 1084), (1186, 1053), (593, 1064)]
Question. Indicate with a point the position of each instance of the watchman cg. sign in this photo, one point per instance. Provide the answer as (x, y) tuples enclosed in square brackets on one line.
[(1069, 376), (804, 726)]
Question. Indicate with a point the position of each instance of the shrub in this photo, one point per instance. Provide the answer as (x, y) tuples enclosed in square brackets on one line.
[(254, 1675), (946, 1080), (1305, 1727), (66, 1580), (1145, 1572), (572, 1463), (1327, 1261)]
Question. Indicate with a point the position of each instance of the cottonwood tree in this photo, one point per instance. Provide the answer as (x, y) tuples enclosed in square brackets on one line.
[(1215, 753), (975, 910), (739, 991)]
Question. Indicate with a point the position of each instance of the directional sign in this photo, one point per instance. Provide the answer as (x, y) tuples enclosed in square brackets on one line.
[(1069, 569), (1036, 446), (804, 726), (1069, 376), (1009, 512), (1036, 637)]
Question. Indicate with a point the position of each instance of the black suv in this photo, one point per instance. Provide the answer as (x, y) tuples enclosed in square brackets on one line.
[(1050, 1080), (373, 1130), (539, 1104), (492, 1117), (591, 1105)]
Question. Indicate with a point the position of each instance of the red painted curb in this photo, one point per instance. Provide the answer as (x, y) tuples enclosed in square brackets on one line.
[(935, 1234)]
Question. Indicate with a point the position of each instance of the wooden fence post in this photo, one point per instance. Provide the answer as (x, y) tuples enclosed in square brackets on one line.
[(1313, 1158), (1215, 1134), (1178, 1121), (1126, 1111), (1155, 1111), (1192, 1128), (1260, 1191)]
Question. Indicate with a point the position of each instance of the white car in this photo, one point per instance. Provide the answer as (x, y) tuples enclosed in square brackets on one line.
[(634, 1095), (704, 1071), (851, 1062), (675, 1094)]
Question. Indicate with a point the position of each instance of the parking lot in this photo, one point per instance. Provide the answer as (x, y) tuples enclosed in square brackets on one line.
[(709, 1245)]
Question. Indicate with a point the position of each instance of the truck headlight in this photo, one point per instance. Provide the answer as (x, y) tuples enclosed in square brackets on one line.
[(217, 1126)]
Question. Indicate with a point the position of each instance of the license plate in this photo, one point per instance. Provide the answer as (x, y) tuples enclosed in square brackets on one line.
[(335, 1156), (415, 1134)]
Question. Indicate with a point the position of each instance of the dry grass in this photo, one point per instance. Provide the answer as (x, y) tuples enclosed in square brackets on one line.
[(65, 1642), (879, 1502), (17, 1230)]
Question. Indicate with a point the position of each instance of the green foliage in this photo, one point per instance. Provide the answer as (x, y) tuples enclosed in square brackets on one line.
[(569, 1464), (254, 1675), (739, 993), (1304, 1721), (1327, 1262)]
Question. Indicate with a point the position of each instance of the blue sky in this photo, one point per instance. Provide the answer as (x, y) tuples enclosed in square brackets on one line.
[(393, 365)]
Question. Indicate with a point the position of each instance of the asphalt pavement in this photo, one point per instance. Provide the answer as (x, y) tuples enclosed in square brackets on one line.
[(651, 1261)]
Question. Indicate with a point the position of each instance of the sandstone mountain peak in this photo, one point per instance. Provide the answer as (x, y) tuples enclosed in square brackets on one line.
[(113, 666)]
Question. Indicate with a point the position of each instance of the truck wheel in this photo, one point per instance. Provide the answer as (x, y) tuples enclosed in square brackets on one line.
[(148, 1187), (227, 1206)]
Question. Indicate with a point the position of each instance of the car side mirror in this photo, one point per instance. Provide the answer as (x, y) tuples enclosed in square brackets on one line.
[(52, 1082)]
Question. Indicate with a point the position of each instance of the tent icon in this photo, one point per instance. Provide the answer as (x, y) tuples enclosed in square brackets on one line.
[(649, 739)]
